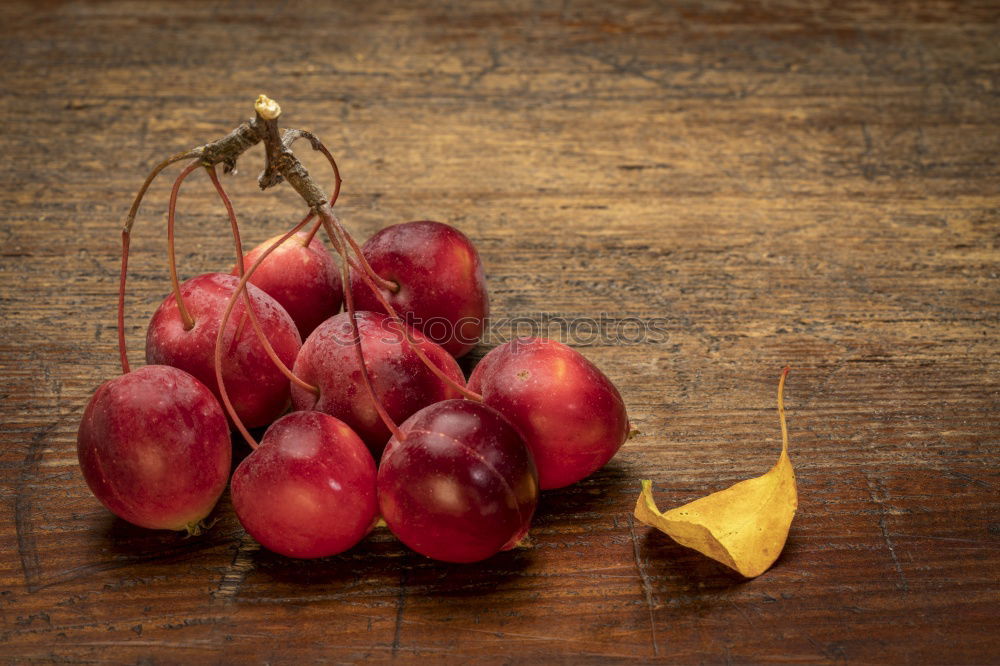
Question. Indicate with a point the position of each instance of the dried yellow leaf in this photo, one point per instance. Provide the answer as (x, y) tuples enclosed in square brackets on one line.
[(743, 526)]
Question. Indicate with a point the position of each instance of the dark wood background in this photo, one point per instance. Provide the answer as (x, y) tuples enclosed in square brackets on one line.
[(813, 184)]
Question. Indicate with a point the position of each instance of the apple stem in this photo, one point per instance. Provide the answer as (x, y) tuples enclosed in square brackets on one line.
[(254, 321), (122, 348), (358, 350), (280, 165), (312, 232), (234, 225), (182, 310), (225, 151), (240, 288), (337, 180), (388, 285), (126, 241)]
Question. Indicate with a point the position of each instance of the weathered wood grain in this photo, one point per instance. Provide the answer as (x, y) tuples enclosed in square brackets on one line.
[(803, 183)]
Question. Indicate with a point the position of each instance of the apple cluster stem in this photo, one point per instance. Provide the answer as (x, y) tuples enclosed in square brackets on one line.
[(340, 245), (126, 242), (251, 313), (282, 164), (241, 288), (365, 267), (171, 259)]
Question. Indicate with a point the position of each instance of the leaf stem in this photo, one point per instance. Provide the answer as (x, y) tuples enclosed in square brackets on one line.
[(781, 410)]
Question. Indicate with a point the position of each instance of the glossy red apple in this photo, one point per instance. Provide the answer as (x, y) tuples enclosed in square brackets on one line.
[(400, 380), (308, 490), (460, 485), (441, 289), (257, 388), (154, 448), (304, 279), (570, 414)]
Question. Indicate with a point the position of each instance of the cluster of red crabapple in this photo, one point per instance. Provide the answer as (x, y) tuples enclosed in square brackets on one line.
[(460, 464)]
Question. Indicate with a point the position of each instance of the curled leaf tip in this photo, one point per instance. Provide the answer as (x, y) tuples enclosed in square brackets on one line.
[(744, 526)]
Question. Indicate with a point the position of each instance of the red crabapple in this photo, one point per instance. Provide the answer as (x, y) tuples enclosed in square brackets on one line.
[(439, 278), (308, 490), (460, 485), (256, 387), (570, 414), (400, 380), (154, 448), (304, 279)]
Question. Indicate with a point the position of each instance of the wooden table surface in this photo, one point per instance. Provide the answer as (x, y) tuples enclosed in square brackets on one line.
[(760, 183)]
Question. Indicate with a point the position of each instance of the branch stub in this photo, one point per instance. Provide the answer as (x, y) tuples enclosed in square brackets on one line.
[(267, 108)]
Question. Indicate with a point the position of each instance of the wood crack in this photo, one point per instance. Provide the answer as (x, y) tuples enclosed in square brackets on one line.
[(27, 548), (400, 607), (647, 587), (904, 585), (237, 570)]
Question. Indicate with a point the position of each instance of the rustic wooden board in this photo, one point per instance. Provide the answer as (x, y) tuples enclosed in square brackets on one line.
[(813, 184)]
